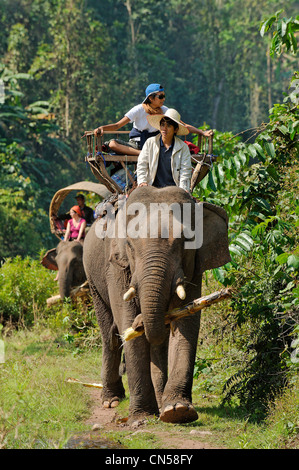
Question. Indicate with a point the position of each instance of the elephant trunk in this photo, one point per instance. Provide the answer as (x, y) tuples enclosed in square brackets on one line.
[(154, 294), (65, 282)]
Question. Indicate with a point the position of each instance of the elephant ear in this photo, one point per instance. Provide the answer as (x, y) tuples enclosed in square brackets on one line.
[(49, 260), (118, 254), (214, 251)]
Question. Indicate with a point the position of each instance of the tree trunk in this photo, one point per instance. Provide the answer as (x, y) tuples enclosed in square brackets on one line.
[(131, 22), (269, 79), (216, 103)]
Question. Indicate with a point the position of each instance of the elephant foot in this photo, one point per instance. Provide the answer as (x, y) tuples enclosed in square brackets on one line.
[(113, 394), (178, 413), (111, 403)]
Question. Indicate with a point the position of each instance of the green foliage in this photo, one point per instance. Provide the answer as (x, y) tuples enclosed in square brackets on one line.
[(60, 82), (25, 286), (257, 184), (78, 321), (85, 63), (284, 35), (93, 78), (32, 159)]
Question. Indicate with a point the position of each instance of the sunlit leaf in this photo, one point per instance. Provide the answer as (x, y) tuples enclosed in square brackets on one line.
[(236, 249), (272, 172), (267, 25), (293, 261), (282, 259), (211, 182)]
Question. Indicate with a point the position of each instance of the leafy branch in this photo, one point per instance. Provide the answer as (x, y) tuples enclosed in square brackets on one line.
[(283, 35), (256, 183)]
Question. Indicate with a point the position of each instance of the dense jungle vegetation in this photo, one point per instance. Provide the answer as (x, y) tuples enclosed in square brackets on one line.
[(70, 65)]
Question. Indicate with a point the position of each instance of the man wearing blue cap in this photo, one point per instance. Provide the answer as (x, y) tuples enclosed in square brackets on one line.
[(142, 130)]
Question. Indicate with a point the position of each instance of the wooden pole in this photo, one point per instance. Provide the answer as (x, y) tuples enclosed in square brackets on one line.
[(53, 300), (137, 328), (75, 292)]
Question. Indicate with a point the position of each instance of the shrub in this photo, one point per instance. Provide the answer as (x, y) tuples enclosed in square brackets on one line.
[(25, 286), (256, 184)]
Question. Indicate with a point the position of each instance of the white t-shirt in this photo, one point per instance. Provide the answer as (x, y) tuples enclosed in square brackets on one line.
[(138, 116)]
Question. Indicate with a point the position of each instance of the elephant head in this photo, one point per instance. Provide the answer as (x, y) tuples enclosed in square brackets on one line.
[(165, 266), (67, 258)]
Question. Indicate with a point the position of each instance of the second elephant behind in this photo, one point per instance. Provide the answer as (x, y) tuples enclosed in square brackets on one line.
[(67, 258)]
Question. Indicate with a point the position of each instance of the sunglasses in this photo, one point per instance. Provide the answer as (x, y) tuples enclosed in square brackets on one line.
[(161, 97)]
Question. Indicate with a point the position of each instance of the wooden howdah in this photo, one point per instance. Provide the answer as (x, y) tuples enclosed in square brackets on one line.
[(58, 198), (98, 159)]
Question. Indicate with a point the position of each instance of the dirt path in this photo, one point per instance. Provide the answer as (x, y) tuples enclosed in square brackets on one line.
[(102, 419)]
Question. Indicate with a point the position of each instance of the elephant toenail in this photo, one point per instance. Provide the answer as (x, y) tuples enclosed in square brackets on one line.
[(180, 406), (168, 408), (114, 403)]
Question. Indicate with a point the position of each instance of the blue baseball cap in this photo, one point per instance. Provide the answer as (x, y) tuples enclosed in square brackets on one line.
[(153, 88)]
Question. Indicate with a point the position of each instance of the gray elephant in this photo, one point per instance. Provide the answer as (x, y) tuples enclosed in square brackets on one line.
[(138, 272), (67, 258)]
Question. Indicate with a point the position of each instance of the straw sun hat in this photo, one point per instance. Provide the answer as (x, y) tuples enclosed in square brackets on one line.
[(154, 120)]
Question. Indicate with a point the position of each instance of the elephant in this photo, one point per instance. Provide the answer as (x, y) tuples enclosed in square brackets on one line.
[(67, 257), (131, 273)]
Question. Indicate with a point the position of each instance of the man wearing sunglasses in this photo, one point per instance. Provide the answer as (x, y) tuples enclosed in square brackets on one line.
[(152, 105)]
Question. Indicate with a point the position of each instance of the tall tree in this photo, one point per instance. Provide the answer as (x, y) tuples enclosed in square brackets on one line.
[(33, 162)]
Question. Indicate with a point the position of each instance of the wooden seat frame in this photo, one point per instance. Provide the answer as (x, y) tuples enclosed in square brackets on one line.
[(97, 159)]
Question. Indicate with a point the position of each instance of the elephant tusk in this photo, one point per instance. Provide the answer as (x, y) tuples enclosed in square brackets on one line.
[(131, 292), (181, 292)]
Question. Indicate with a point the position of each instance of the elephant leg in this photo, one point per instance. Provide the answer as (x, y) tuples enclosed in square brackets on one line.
[(177, 397), (113, 390), (159, 365), (142, 393)]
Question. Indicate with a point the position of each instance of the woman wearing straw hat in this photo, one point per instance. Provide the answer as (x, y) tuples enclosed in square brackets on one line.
[(165, 159), (152, 105)]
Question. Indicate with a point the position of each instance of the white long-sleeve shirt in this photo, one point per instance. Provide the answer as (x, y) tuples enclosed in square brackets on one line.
[(148, 159)]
